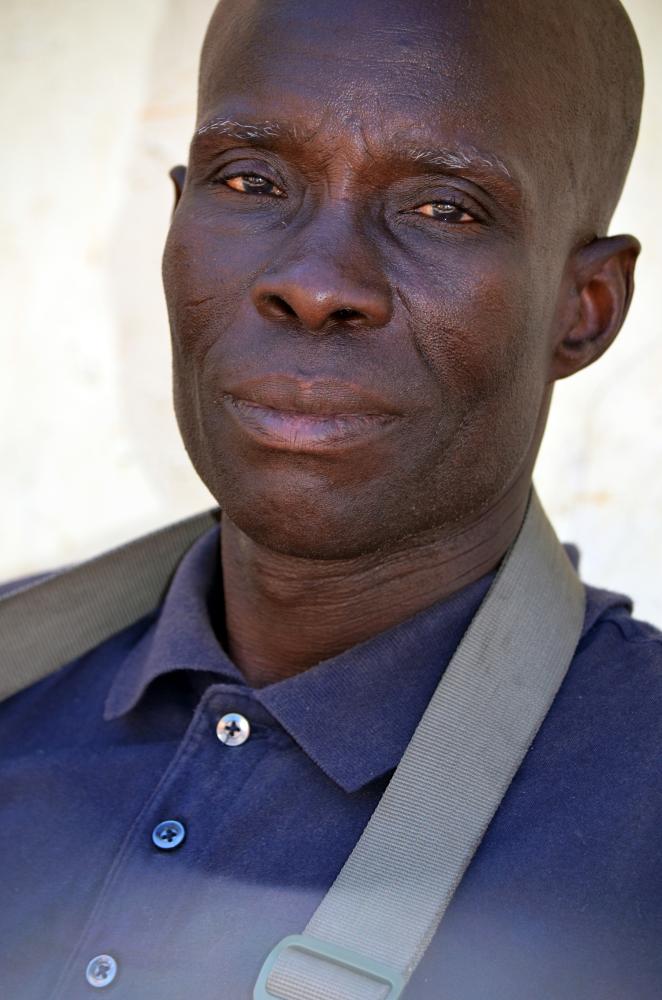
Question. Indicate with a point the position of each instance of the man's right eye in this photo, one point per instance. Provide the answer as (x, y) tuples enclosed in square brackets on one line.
[(253, 184)]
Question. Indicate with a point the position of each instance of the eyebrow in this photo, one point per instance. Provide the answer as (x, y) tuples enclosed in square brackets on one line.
[(458, 159), (240, 130), (465, 158)]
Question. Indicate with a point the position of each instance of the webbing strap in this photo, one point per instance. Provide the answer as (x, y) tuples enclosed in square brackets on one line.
[(372, 927), (51, 622)]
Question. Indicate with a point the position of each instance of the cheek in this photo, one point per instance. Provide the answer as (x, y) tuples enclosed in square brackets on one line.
[(479, 333), (199, 297), (483, 341), (204, 279)]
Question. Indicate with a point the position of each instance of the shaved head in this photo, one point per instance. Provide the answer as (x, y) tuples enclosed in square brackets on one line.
[(571, 72), (578, 67)]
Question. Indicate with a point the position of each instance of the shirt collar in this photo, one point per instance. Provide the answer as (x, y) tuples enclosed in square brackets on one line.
[(180, 635), (354, 714)]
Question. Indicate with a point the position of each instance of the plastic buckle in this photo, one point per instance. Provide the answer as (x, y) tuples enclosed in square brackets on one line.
[(344, 957)]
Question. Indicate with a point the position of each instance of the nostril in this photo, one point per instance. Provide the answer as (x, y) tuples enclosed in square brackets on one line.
[(316, 308), (278, 306), (346, 314)]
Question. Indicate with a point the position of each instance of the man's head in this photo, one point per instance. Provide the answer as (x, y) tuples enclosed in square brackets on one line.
[(389, 244)]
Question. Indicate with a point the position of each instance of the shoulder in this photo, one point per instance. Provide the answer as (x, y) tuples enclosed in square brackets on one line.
[(594, 769), (610, 706), (604, 725), (618, 638)]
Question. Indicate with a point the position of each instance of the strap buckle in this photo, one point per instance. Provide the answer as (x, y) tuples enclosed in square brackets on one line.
[(344, 957)]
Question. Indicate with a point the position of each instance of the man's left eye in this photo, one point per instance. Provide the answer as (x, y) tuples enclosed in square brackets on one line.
[(445, 211), (253, 184)]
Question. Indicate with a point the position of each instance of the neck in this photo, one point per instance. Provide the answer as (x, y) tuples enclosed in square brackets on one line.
[(286, 613)]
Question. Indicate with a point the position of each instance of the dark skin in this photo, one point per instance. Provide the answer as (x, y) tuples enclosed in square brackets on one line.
[(376, 271)]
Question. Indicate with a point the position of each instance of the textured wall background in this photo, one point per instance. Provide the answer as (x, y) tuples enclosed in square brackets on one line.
[(97, 103)]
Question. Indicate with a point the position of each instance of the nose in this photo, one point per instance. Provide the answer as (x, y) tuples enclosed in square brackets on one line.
[(321, 292)]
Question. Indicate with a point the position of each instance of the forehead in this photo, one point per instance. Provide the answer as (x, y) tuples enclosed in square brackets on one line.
[(359, 40), (368, 68)]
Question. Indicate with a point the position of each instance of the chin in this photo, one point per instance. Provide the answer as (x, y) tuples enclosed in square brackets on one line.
[(324, 527), (321, 545), (315, 508), (301, 514)]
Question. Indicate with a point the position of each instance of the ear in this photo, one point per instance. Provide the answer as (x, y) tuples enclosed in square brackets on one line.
[(178, 178), (600, 287)]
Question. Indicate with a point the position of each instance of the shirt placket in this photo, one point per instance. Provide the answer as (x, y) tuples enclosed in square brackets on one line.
[(128, 938)]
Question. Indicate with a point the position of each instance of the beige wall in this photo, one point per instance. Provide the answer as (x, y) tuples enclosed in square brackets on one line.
[(97, 103)]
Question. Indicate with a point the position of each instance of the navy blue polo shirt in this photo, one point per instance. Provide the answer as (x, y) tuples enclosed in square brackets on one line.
[(144, 856)]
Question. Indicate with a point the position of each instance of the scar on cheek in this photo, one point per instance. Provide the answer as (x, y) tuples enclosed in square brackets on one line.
[(194, 303)]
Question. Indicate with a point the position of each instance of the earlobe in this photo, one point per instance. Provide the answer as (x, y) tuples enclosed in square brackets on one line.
[(178, 178), (602, 283)]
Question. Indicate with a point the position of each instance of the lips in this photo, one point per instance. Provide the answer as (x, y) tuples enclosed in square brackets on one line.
[(309, 415)]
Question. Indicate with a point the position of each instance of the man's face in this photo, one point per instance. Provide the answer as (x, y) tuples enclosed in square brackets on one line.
[(362, 275)]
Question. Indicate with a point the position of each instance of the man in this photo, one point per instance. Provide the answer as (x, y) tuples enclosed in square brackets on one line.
[(389, 243)]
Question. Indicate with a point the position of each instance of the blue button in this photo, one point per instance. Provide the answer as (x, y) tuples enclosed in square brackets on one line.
[(168, 834)]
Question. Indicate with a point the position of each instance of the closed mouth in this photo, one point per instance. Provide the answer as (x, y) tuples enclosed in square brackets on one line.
[(302, 430)]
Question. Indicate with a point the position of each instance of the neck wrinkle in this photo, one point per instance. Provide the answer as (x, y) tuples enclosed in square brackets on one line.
[(284, 614)]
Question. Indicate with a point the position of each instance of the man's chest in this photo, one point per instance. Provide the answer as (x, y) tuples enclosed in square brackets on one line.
[(560, 901)]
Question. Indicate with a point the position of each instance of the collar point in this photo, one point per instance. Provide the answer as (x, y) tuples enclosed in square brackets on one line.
[(114, 709)]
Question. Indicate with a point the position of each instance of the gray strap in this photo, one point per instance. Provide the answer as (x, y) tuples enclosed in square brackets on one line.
[(385, 905), (47, 624)]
